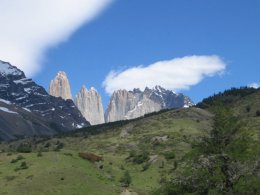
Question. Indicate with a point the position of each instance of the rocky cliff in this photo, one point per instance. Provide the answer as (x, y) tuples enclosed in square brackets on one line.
[(90, 105), (60, 87), (132, 104), (24, 93)]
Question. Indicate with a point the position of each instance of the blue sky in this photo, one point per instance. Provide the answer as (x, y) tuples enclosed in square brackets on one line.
[(129, 33)]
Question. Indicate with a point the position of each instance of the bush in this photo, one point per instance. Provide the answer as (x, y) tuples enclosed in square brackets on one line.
[(248, 108), (146, 166), (175, 165), (138, 158), (169, 155), (22, 166), (161, 165), (125, 179), (10, 178), (68, 154), (24, 148), (47, 145), (19, 157), (257, 113), (39, 154), (13, 161), (59, 146), (122, 167)]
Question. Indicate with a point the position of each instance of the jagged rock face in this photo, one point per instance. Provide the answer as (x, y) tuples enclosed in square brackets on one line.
[(167, 98), (120, 103), (143, 107), (132, 104), (60, 87), (25, 93), (90, 105)]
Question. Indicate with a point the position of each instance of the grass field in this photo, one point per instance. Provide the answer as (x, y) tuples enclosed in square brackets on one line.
[(64, 172)]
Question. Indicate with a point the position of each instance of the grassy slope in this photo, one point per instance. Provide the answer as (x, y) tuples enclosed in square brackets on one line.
[(44, 174), (227, 162), (182, 128)]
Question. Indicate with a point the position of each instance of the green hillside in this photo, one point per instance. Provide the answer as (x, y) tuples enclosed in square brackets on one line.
[(209, 149)]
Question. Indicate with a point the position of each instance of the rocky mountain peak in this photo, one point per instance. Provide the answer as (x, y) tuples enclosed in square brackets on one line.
[(8, 70), (137, 90), (132, 104), (62, 75), (93, 89), (90, 105), (60, 87)]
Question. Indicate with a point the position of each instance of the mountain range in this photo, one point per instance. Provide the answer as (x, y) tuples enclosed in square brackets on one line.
[(123, 104), (37, 112)]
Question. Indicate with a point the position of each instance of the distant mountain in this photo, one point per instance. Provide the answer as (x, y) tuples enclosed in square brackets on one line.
[(132, 104), (60, 87), (90, 104), (123, 104), (26, 94)]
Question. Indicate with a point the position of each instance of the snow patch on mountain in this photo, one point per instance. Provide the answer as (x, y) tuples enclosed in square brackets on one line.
[(7, 69), (5, 101), (7, 110)]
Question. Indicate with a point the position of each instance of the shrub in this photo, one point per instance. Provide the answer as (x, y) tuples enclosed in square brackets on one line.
[(68, 154), (175, 165), (146, 166), (161, 165), (24, 148), (10, 178), (19, 157), (13, 161), (59, 146), (169, 155), (126, 179), (22, 166), (248, 108), (257, 113), (39, 154), (122, 167), (138, 158), (47, 145)]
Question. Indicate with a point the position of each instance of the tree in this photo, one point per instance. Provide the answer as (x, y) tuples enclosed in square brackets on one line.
[(126, 179), (257, 113)]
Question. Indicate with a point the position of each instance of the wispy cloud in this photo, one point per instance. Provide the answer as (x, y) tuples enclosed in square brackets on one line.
[(254, 85), (175, 74), (29, 27)]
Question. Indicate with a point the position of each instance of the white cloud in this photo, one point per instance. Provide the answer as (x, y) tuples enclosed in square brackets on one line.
[(29, 27), (175, 74), (254, 85)]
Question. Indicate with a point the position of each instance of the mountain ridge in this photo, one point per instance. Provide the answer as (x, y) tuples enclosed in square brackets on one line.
[(132, 104), (25, 93)]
